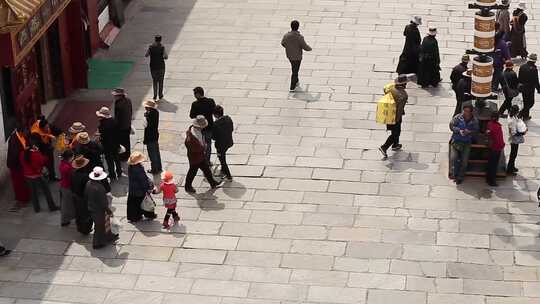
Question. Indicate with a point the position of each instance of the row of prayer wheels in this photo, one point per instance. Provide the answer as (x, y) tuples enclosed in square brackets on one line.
[(484, 43)]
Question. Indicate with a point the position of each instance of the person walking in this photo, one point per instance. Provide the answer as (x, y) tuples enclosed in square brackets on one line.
[(510, 84), (501, 55), (463, 91), (33, 162), (222, 133), (98, 205), (457, 72), (139, 186), (67, 206), (108, 138), (429, 68), (123, 112), (169, 189), (528, 78), (518, 46), (502, 17), (151, 136), (79, 178), (463, 126), (158, 55), (400, 98), (17, 142), (496, 145), (516, 130), (408, 60), (294, 44), (196, 145), (204, 106)]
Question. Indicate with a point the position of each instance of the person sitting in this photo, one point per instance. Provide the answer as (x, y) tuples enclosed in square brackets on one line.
[(463, 126)]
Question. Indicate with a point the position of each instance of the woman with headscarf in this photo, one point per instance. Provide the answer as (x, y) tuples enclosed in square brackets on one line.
[(98, 205), (139, 186)]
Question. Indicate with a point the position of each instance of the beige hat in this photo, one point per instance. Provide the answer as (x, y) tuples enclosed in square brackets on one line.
[(432, 31), (150, 104), (79, 162), (136, 158), (77, 127), (97, 174), (83, 138), (200, 122), (104, 112)]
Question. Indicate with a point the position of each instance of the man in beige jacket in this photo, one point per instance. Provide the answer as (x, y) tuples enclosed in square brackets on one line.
[(294, 43)]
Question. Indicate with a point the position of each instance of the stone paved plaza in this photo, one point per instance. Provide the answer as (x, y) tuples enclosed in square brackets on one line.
[(313, 215)]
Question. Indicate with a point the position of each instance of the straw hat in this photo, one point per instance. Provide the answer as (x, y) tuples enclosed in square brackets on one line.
[(77, 127), (167, 177), (83, 138), (432, 31), (200, 122), (118, 92), (97, 174), (136, 158), (79, 162), (104, 112), (467, 73), (150, 104)]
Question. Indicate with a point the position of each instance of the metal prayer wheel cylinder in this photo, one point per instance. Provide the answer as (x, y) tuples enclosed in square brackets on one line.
[(484, 32), (486, 2), (481, 76)]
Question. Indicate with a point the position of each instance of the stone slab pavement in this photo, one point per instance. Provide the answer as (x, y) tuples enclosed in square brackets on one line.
[(313, 214)]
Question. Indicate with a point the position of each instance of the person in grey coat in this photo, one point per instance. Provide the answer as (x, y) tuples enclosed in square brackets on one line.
[(294, 44), (98, 205)]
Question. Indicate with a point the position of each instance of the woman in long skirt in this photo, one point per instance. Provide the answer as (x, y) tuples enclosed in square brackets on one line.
[(139, 185), (67, 206)]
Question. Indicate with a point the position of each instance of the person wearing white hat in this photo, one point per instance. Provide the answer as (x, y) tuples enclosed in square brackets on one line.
[(98, 205), (517, 33), (528, 78), (429, 70), (108, 137), (408, 60)]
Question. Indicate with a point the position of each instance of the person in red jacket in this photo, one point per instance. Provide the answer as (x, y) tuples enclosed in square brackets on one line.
[(196, 147), (496, 145), (169, 189), (33, 162)]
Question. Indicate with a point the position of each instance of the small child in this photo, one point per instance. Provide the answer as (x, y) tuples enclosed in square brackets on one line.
[(169, 189)]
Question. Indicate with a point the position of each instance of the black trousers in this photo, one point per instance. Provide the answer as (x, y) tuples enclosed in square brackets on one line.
[(493, 164), (124, 140), (512, 159), (222, 156), (171, 211), (528, 102), (207, 135), (157, 82), (295, 66), (193, 171), (39, 183), (393, 139), (114, 167), (507, 104)]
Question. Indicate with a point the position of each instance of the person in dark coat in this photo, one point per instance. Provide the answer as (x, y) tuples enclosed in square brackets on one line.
[(123, 111), (158, 55), (151, 136), (294, 44), (429, 70), (457, 72), (528, 78), (89, 149), (510, 85), (139, 186), (79, 178), (108, 138), (463, 91), (204, 106), (98, 205), (195, 144), (17, 143), (408, 60), (400, 97), (518, 47), (501, 55), (222, 133)]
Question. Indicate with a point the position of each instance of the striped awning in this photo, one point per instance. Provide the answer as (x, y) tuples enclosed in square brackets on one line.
[(15, 12)]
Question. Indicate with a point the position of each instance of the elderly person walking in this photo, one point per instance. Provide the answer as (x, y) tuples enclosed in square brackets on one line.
[(123, 111), (196, 145), (408, 60), (151, 136), (98, 205), (139, 186), (204, 106), (294, 44)]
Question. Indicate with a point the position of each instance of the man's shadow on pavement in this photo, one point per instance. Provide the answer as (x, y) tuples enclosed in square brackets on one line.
[(305, 95), (167, 106)]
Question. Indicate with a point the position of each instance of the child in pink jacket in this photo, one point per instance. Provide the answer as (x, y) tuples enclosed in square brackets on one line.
[(169, 189)]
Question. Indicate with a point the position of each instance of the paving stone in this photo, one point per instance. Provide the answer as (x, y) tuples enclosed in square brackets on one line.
[(262, 275), (51, 276), (211, 242), (247, 229), (109, 280), (408, 237), (378, 281), (76, 294), (429, 253), (384, 296), (220, 288), (328, 219), (245, 258), (276, 291), (373, 250), (336, 294), (495, 288), (163, 284), (463, 239), (453, 298), (198, 256), (135, 297), (318, 247), (146, 252), (264, 244), (304, 261), (354, 234)]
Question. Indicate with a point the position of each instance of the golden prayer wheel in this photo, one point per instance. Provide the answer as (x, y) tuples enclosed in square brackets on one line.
[(482, 76), (484, 33)]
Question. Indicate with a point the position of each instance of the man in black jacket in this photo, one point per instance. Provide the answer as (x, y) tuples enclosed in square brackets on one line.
[(151, 136), (528, 78), (204, 106), (123, 112), (222, 134), (510, 84), (109, 141), (463, 91), (457, 72), (158, 55)]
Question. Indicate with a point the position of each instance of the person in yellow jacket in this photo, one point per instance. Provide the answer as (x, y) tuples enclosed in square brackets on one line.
[(400, 98)]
